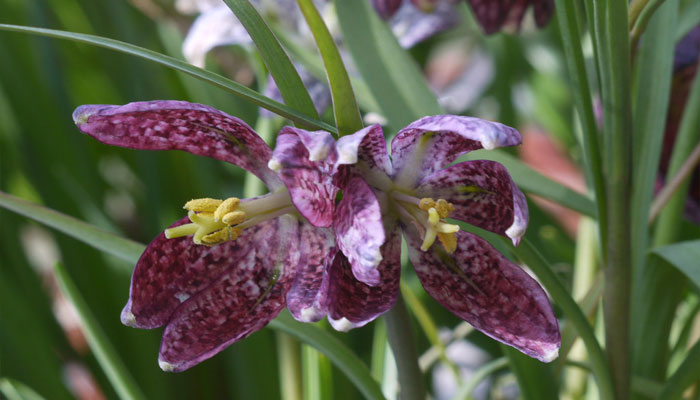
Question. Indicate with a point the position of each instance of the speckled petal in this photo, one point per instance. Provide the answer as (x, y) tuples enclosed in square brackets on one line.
[(483, 194), (171, 271), (352, 303), (179, 125), (543, 11), (215, 27), (481, 286), (310, 183), (367, 145), (359, 230), (239, 302), (412, 26), (307, 300), (431, 143), (494, 15)]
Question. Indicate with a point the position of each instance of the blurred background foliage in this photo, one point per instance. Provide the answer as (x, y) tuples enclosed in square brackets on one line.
[(44, 159)]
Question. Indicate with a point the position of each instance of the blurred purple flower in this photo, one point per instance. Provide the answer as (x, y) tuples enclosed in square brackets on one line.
[(383, 198), (494, 15), (247, 259)]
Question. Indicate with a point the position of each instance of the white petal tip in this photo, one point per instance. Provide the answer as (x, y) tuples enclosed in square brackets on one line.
[(310, 314), (128, 317), (274, 165), (488, 144), (343, 324), (515, 232), (81, 115), (550, 356), (319, 153), (166, 366), (346, 157)]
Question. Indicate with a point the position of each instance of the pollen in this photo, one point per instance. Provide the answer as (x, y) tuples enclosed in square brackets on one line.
[(212, 221), (226, 207), (202, 205), (436, 227), (449, 241)]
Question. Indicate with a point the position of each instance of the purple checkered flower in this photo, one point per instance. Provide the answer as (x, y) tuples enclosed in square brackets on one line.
[(230, 266), (415, 193), (494, 15)]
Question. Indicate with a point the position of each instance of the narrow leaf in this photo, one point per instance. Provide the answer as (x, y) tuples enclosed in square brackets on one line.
[(347, 114), (14, 390), (335, 350), (392, 75), (285, 75), (301, 117), (107, 242), (684, 256), (104, 352), (535, 379), (685, 375)]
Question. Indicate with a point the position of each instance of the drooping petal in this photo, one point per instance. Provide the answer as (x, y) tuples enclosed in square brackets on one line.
[(352, 303), (364, 153), (359, 230), (307, 299), (494, 15), (431, 143), (481, 286), (309, 180), (483, 194), (171, 271), (215, 27), (179, 125), (241, 301), (386, 8), (412, 25)]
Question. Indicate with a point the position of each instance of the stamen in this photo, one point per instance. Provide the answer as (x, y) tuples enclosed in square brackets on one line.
[(436, 228), (226, 207), (449, 241), (202, 205), (233, 218), (180, 231)]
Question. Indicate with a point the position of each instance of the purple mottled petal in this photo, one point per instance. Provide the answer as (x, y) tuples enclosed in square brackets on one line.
[(307, 300), (386, 8), (359, 230), (482, 287), (215, 27), (239, 302), (412, 26), (366, 151), (318, 91), (431, 143), (483, 194), (491, 14), (352, 303), (170, 271), (543, 11), (687, 50), (310, 183), (179, 125)]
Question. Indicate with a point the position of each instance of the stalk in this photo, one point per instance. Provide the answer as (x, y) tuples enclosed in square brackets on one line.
[(400, 334)]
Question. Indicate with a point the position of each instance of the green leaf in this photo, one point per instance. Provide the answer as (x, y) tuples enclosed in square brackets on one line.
[(104, 352), (688, 19), (335, 350), (685, 375), (286, 76), (535, 379), (347, 114), (305, 118), (533, 182), (684, 256), (14, 390), (108, 242), (392, 75)]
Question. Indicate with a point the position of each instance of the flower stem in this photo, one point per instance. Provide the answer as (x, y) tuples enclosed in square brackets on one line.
[(400, 334), (289, 352)]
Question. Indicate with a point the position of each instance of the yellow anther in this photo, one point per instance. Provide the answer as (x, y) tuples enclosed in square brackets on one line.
[(220, 236), (433, 217), (444, 208), (202, 205), (233, 218), (426, 203), (449, 241), (429, 238), (447, 228), (227, 206)]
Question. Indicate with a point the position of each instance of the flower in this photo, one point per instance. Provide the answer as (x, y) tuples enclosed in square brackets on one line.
[(415, 194), (494, 15), (231, 266)]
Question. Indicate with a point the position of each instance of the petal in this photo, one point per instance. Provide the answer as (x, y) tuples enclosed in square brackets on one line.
[(386, 8), (367, 146), (352, 303), (239, 302), (490, 14), (543, 11), (307, 300), (179, 125), (412, 26), (359, 230), (431, 143), (483, 195), (215, 27), (481, 286), (310, 183), (170, 271)]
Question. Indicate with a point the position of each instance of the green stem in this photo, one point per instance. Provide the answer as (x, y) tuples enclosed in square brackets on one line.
[(400, 334), (289, 352), (530, 256)]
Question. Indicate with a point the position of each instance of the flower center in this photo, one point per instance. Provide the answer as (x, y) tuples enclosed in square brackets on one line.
[(429, 216), (216, 221)]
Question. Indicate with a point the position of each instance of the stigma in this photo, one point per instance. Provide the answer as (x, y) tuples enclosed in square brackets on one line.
[(214, 221)]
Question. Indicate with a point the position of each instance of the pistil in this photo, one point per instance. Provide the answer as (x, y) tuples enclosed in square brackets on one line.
[(429, 216)]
